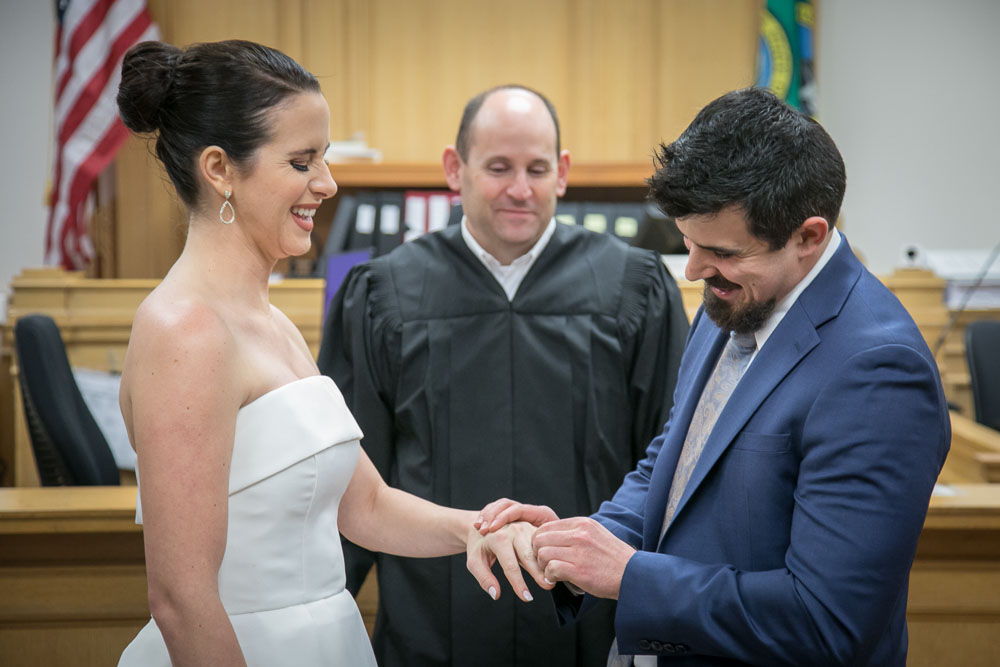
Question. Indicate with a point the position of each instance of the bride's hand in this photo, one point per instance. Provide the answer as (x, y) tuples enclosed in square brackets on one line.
[(510, 545), (504, 511)]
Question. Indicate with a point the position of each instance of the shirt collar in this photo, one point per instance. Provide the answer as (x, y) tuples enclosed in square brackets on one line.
[(492, 263)]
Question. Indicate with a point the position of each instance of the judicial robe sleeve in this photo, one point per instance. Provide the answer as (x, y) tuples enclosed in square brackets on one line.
[(659, 345), (353, 355)]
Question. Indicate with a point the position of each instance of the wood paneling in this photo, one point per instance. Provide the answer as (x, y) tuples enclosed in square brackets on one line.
[(623, 74), (703, 48), (953, 610), (72, 573), (974, 454)]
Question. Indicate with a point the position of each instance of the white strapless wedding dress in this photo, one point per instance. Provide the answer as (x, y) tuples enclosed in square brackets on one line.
[(282, 575)]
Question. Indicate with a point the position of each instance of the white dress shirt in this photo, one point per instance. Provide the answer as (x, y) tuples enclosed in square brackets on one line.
[(509, 276)]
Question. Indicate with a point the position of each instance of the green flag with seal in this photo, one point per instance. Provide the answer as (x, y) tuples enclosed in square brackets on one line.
[(785, 53)]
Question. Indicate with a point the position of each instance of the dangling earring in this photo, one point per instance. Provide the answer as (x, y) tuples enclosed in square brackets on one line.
[(222, 211)]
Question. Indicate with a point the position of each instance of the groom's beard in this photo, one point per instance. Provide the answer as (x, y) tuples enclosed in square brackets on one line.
[(742, 318)]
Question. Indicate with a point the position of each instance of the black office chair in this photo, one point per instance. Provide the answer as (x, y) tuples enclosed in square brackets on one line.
[(982, 350), (70, 449)]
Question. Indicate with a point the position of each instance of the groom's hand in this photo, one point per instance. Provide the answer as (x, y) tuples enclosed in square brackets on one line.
[(511, 546), (583, 552), (501, 512)]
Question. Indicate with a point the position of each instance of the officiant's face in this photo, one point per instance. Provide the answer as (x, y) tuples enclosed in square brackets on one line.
[(513, 174)]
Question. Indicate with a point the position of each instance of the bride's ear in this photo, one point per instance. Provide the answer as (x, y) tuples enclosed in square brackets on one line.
[(217, 169)]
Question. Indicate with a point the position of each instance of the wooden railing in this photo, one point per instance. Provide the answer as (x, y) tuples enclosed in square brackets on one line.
[(73, 579)]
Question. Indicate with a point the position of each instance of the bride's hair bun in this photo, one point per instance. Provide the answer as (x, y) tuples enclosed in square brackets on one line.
[(148, 72), (212, 94)]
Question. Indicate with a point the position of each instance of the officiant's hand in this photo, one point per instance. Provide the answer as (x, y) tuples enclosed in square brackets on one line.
[(499, 513), (511, 546), (581, 551)]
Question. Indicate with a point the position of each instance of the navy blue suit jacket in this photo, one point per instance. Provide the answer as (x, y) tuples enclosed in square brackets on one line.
[(793, 540)]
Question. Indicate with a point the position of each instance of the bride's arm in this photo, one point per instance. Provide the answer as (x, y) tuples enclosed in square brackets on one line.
[(180, 407), (380, 518)]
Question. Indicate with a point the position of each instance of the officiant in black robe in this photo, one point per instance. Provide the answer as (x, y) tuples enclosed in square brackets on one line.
[(509, 356)]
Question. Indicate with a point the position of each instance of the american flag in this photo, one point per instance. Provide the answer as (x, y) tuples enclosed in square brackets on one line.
[(91, 38)]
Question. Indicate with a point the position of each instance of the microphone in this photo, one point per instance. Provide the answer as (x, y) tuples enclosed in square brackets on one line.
[(965, 299)]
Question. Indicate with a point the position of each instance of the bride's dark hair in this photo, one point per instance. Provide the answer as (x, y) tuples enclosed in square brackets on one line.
[(212, 94)]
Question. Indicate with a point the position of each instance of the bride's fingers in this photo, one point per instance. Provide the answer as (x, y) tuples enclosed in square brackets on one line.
[(504, 552), (529, 561), (479, 566)]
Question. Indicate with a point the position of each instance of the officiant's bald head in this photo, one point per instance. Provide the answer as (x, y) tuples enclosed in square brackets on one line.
[(466, 127)]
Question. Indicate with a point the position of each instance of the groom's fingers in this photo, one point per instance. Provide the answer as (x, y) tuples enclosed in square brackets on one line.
[(558, 570), (527, 557), (490, 512), (533, 514)]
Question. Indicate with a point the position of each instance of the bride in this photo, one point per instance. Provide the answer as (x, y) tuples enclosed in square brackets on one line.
[(249, 460)]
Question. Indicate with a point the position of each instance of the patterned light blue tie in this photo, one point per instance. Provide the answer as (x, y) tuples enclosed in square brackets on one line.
[(732, 363)]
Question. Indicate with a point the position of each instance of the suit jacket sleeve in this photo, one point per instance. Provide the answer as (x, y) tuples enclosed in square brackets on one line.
[(355, 353), (871, 450)]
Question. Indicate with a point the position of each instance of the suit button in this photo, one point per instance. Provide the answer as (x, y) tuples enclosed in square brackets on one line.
[(682, 648), (644, 644), (656, 646), (668, 647)]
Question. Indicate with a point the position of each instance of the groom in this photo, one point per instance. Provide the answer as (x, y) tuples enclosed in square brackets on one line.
[(775, 519)]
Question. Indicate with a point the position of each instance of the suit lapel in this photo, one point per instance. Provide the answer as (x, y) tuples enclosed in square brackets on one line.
[(794, 337), (775, 360), (706, 343)]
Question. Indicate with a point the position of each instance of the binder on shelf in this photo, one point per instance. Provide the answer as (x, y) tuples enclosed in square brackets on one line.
[(598, 216), (340, 228), (336, 267), (658, 231), (625, 224), (362, 233), (389, 229), (414, 214), (568, 212), (438, 209), (456, 214), (427, 211)]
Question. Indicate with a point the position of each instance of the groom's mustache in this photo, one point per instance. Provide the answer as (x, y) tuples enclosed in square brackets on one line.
[(718, 282)]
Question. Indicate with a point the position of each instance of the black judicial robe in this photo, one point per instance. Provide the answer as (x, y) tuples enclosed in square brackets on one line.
[(465, 397)]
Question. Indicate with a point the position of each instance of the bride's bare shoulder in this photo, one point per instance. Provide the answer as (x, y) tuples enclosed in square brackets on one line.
[(172, 312), (179, 333)]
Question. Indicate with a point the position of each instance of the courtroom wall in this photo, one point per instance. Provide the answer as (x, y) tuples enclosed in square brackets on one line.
[(906, 88), (26, 35)]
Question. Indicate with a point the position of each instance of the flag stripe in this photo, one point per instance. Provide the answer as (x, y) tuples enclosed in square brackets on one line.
[(68, 126), (93, 88), (98, 159), (72, 15), (94, 56), (75, 150), (91, 39), (81, 36)]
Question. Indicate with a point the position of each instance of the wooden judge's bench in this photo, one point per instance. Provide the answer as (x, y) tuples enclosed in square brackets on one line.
[(72, 573)]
